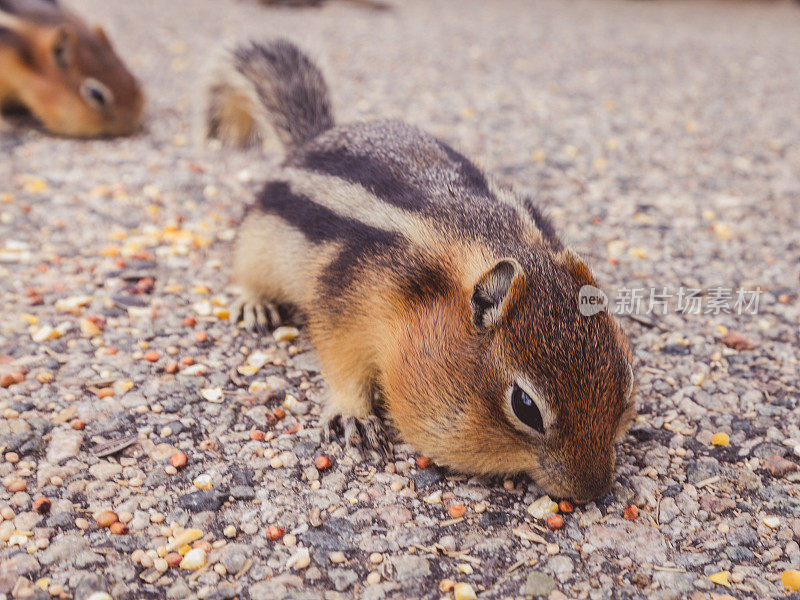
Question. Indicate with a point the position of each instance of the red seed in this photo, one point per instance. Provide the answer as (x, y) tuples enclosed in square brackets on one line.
[(423, 462), (292, 429), (119, 528), (457, 511), (42, 505), (201, 336), (190, 321), (257, 435), (554, 522), (171, 368), (173, 559), (105, 392), (275, 533), (107, 518), (322, 462), (187, 361), (631, 512), (565, 506), (178, 460), (279, 413), (77, 424), (151, 356), (202, 544)]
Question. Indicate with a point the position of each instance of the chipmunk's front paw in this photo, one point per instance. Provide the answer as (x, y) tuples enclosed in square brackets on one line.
[(256, 313), (365, 433)]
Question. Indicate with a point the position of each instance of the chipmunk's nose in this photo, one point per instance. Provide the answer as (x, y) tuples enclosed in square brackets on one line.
[(586, 492), (593, 478)]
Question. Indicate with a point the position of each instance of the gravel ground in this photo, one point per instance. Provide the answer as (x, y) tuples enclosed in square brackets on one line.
[(664, 140)]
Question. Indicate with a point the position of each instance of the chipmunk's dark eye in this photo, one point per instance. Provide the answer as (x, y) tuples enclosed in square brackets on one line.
[(526, 410), (97, 95)]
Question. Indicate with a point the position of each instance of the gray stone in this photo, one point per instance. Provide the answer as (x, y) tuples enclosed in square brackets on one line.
[(243, 492), (409, 567), (342, 578), (178, 590), (19, 565), (90, 584), (203, 500), (64, 444), (63, 550), (702, 468), (675, 582), (539, 585), (234, 556), (562, 566), (424, 478), (634, 540)]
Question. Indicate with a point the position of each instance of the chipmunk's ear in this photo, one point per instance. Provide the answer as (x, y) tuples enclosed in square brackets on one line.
[(62, 46), (491, 292), (101, 35), (576, 267)]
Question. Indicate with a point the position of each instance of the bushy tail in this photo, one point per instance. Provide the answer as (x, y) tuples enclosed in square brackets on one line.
[(267, 90)]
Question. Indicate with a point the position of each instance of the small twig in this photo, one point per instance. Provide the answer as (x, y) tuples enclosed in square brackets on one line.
[(669, 569), (709, 481)]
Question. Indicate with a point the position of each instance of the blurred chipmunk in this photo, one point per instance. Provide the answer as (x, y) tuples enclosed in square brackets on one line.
[(374, 4), (64, 73)]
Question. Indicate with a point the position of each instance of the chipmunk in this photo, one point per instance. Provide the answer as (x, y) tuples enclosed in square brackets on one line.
[(64, 73), (425, 281)]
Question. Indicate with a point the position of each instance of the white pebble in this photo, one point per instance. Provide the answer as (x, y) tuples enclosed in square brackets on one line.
[(194, 559)]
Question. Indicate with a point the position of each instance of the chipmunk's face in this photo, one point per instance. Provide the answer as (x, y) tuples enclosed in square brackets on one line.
[(524, 382), (564, 382), (90, 91)]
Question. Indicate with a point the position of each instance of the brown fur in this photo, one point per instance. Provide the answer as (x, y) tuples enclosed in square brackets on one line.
[(49, 60)]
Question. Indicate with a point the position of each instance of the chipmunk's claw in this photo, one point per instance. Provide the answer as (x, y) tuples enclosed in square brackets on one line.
[(257, 314), (360, 434)]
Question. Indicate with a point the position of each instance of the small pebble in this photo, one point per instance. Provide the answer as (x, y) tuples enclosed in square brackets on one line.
[(289, 540), (542, 507), (194, 559), (337, 557), (301, 560), (464, 591), (373, 578), (203, 482), (376, 558)]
